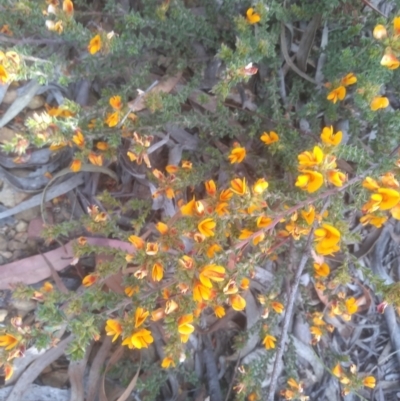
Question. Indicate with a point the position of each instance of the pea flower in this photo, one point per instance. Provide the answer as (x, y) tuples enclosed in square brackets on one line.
[(238, 302), (337, 178), (238, 186), (389, 60), (309, 216), (277, 307), (328, 137), (140, 316), (309, 180), (396, 26), (370, 183), (379, 32), (336, 94), (89, 280), (68, 7), (349, 79), (167, 362), (8, 341), (327, 237), (379, 103), (113, 328), (185, 328), (269, 341), (95, 45), (115, 102), (270, 138), (308, 159), (321, 269), (140, 339), (376, 221), (4, 77), (252, 17), (237, 155), (369, 381), (136, 241), (212, 273), (112, 119), (201, 292), (206, 227), (219, 311), (75, 165)]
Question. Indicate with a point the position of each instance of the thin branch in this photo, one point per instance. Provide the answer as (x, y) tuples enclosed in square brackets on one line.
[(367, 3)]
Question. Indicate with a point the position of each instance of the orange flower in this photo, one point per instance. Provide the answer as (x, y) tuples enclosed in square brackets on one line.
[(78, 139), (337, 178), (171, 169), (222, 208), (260, 186), (112, 119), (151, 248), (95, 44), (187, 165), (370, 183), (321, 270), (349, 79), (157, 272), (337, 94), (95, 159), (238, 186), (219, 311), (225, 195), (252, 17), (351, 305), (68, 7), (310, 181), (263, 221), (186, 262), (237, 155), (277, 307), (212, 273), (396, 26), (245, 283), (184, 327), (309, 216), (75, 165), (201, 292), (162, 228), (167, 362), (139, 339), (376, 220), (389, 180), (189, 208), (316, 332), (115, 102), (390, 61), (4, 77), (113, 328), (329, 138), (308, 159), (212, 249), (211, 188), (206, 227), (140, 316), (270, 138), (170, 306), (369, 381), (130, 291), (379, 32), (136, 241), (269, 341), (379, 103), (389, 198), (8, 371), (395, 212), (89, 280), (327, 237), (5, 29), (8, 341), (102, 145), (238, 302)]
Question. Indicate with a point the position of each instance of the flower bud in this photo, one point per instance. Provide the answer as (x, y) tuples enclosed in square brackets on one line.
[(379, 32)]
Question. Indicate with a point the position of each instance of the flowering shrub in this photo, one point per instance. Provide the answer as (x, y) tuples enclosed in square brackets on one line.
[(272, 194)]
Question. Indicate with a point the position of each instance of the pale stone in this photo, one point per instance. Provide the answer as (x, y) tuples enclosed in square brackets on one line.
[(21, 226), (6, 254), (21, 237), (10, 197)]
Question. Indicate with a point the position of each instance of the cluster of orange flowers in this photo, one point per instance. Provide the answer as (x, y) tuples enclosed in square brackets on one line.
[(385, 198), (66, 13), (339, 91), (351, 380), (319, 166), (391, 43)]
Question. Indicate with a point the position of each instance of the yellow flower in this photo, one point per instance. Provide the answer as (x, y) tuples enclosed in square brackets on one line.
[(349, 79), (329, 138), (212, 249), (170, 306), (379, 32), (206, 227), (151, 248), (327, 237), (337, 371), (337, 94), (4, 77), (308, 159), (78, 139), (186, 262), (238, 302), (321, 270), (270, 138), (374, 220), (351, 305), (140, 339), (219, 311), (102, 145), (309, 216), (379, 103), (237, 155), (269, 341), (263, 221), (95, 159), (395, 212), (225, 195), (167, 362), (310, 181), (238, 186), (337, 178), (136, 241), (75, 165), (252, 17), (140, 316), (68, 7), (201, 292), (112, 119), (187, 165), (389, 198), (89, 280), (390, 61), (230, 288), (370, 183), (157, 272), (189, 208), (260, 186), (8, 341), (212, 273), (277, 307), (211, 188), (113, 328), (8, 371), (369, 381), (162, 228), (389, 180), (222, 208), (95, 44), (115, 102), (129, 291), (316, 332), (184, 327)]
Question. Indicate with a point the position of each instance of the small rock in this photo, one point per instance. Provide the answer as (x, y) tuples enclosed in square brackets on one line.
[(11, 233), (19, 254), (21, 237), (6, 134), (21, 226), (23, 306), (9, 197), (36, 102), (3, 314), (3, 243), (6, 254), (10, 96), (15, 246), (29, 214)]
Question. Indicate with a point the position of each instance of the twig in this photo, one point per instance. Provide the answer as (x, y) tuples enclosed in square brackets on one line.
[(288, 317), (367, 3), (60, 285)]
